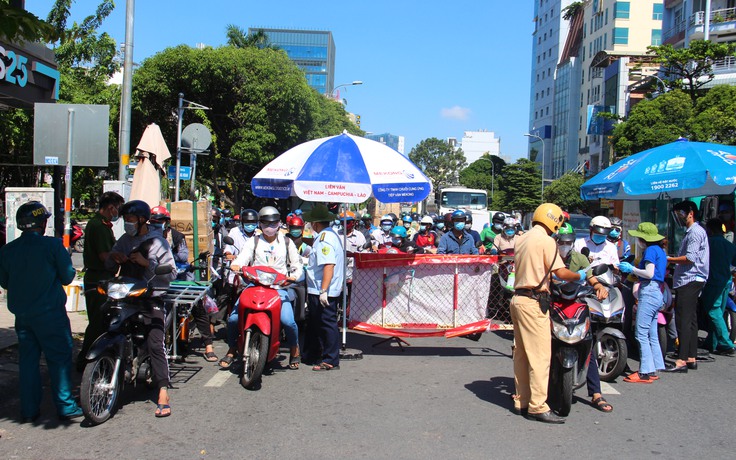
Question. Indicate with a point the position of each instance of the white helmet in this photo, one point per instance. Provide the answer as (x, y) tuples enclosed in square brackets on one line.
[(509, 222), (600, 225), (427, 220)]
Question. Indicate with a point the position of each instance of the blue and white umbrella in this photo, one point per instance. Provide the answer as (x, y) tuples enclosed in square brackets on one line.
[(342, 169), (680, 169)]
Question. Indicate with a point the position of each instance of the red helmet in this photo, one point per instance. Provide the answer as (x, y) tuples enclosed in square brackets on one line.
[(296, 221), (289, 218), (159, 213), (448, 219)]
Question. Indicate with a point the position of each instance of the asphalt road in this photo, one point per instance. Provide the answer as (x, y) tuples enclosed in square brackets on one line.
[(438, 399)]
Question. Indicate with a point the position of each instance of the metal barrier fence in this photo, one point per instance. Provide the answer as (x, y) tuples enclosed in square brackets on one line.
[(427, 295)]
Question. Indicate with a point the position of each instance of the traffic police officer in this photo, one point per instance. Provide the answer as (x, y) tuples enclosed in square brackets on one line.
[(325, 277)]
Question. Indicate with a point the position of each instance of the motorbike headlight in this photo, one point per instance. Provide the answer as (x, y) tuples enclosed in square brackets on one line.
[(118, 290), (266, 278), (577, 334)]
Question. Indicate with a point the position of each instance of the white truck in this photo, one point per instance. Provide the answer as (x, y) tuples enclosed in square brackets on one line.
[(470, 200)]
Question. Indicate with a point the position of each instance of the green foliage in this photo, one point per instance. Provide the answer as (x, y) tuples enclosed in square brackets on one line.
[(480, 174), (714, 119), (522, 184), (439, 161), (572, 10), (18, 25), (261, 106), (692, 66), (565, 192), (238, 38), (653, 122)]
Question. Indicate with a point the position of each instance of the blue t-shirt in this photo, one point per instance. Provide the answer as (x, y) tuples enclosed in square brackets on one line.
[(655, 254)]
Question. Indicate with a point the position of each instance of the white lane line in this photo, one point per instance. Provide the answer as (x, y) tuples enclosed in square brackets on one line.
[(219, 379), (606, 389)]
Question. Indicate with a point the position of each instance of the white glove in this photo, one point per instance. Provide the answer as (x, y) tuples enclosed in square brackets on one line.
[(324, 300)]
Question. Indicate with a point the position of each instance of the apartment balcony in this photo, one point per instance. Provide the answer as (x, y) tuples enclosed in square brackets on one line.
[(722, 22)]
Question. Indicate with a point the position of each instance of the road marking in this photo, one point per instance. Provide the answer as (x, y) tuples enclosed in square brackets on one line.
[(606, 389), (218, 379)]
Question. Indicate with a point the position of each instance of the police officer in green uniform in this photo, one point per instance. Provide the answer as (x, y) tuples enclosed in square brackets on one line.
[(33, 269), (98, 240)]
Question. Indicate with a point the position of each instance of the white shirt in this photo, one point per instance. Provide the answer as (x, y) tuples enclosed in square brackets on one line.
[(379, 237), (239, 238), (605, 253), (354, 243), (271, 255)]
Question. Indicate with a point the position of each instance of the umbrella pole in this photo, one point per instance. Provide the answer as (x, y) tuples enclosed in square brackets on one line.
[(344, 278)]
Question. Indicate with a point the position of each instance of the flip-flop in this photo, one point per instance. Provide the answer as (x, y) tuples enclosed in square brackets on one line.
[(210, 356), (325, 367), (602, 405), (294, 362), (227, 360), (636, 378), (160, 408)]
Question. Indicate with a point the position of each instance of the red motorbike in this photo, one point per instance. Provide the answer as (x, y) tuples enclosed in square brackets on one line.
[(76, 239), (259, 320)]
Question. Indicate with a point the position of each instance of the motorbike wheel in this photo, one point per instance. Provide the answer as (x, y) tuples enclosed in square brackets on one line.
[(98, 393), (254, 359), (566, 389), (79, 245), (613, 361)]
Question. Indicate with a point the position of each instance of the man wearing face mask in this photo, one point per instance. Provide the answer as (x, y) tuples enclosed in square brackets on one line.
[(469, 229), (490, 232), (241, 233), (623, 248), (457, 241), (601, 250), (137, 254), (407, 221), (439, 226), (507, 239), (382, 235), (218, 229), (426, 238), (98, 241), (367, 226)]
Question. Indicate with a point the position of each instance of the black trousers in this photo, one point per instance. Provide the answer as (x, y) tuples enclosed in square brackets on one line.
[(154, 318), (202, 321), (686, 318)]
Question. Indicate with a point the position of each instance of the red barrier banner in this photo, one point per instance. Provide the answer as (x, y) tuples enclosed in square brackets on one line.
[(401, 295)]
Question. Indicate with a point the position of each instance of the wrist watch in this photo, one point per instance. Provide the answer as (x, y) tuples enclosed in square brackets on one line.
[(322, 291)]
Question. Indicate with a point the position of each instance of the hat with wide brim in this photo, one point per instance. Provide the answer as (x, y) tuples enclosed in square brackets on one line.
[(319, 213), (648, 232)]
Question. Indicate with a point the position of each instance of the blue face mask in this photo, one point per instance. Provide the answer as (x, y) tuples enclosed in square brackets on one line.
[(156, 225), (510, 232), (386, 228), (598, 239), (614, 234), (440, 225), (422, 228), (459, 225), (296, 233), (250, 228), (214, 224), (497, 228)]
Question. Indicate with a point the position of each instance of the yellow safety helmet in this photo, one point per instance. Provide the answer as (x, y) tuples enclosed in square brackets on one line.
[(550, 215)]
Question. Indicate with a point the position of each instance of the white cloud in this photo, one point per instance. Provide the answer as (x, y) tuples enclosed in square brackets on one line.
[(455, 113)]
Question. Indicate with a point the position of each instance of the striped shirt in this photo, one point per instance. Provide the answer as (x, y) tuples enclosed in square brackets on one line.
[(695, 247)]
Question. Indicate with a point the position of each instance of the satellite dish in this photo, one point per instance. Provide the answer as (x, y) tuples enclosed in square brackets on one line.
[(196, 138)]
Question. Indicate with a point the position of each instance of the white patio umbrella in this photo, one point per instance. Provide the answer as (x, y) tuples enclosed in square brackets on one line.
[(151, 152)]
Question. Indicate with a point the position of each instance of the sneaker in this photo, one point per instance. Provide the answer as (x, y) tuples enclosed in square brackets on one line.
[(725, 352), (72, 415)]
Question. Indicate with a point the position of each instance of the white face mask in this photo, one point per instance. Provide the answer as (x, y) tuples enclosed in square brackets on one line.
[(564, 250), (131, 228)]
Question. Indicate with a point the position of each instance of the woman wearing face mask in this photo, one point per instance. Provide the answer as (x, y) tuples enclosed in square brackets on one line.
[(426, 237), (601, 250), (400, 243), (623, 248), (505, 240), (382, 234)]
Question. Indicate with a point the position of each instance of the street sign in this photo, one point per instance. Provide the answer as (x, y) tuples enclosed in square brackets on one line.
[(91, 134), (185, 172)]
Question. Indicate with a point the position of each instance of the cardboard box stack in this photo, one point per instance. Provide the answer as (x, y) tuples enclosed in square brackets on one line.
[(182, 220)]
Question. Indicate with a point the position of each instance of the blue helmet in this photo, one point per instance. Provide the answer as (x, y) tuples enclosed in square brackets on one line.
[(399, 231), (459, 215), (407, 219)]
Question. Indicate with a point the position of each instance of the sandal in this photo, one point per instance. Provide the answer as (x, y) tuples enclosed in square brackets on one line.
[(226, 361), (161, 410), (325, 367), (602, 405), (294, 362), (637, 378), (210, 356)]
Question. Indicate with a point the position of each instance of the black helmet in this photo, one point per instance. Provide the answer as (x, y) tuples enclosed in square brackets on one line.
[(393, 217), (216, 213), (31, 215), (498, 218), (137, 208), (226, 213), (469, 217), (249, 215), (269, 214)]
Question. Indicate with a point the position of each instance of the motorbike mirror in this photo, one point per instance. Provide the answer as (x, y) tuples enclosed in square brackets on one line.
[(204, 255), (367, 245), (228, 240), (163, 270), (629, 259), (600, 269)]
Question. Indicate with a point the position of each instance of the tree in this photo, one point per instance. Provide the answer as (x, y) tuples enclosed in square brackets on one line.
[(572, 10), (480, 174), (714, 119), (261, 106), (238, 38), (653, 122), (522, 184), (17, 24), (692, 66), (565, 192), (439, 161)]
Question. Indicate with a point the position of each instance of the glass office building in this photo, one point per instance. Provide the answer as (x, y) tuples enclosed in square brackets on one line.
[(312, 50)]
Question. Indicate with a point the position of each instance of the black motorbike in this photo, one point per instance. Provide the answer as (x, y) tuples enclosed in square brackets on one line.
[(120, 355)]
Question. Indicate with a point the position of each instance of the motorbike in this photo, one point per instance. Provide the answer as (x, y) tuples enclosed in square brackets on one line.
[(607, 322), (259, 320), (119, 356), (572, 341), (502, 286), (76, 239)]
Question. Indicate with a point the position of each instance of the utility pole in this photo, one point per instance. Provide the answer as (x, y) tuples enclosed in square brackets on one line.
[(126, 100)]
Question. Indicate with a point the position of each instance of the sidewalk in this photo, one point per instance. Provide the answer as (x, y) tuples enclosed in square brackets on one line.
[(8, 338)]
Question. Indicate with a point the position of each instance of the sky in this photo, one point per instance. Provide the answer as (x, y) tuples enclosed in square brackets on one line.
[(432, 68)]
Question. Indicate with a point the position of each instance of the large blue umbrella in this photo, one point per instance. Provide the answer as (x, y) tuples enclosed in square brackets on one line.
[(680, 169)]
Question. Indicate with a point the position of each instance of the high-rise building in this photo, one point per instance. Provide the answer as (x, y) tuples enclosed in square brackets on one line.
[(548, 40), (477, 143), (312, 50), (391, 140)]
